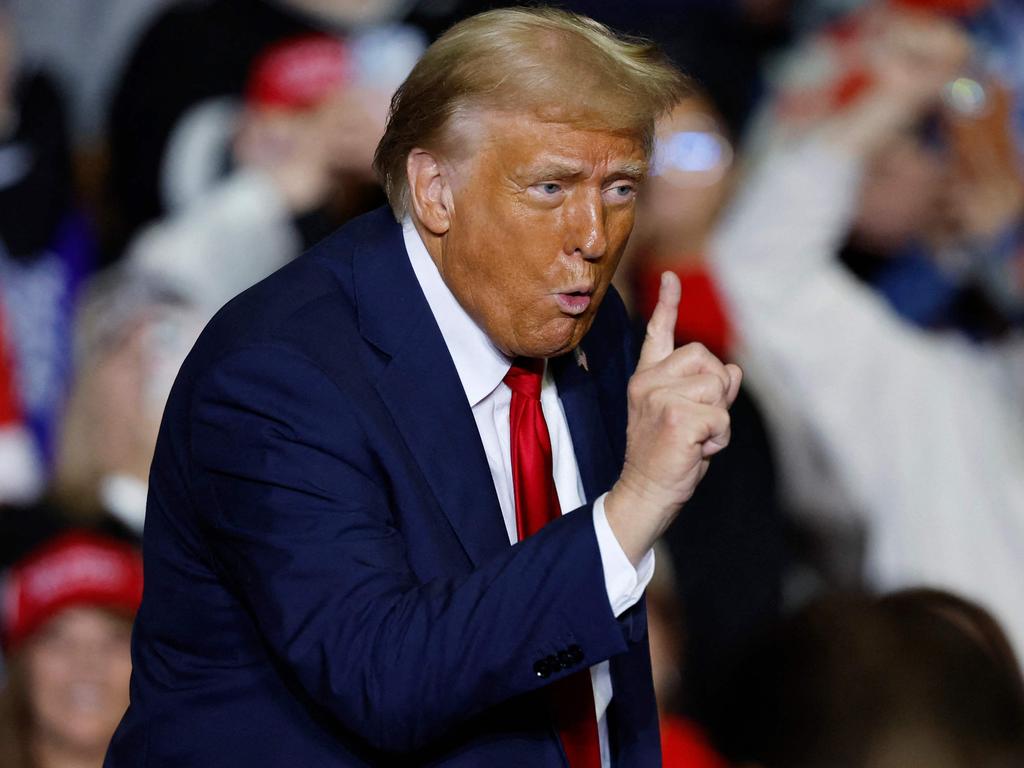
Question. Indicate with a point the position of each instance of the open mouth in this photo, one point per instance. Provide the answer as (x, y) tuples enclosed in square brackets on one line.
[(574, 302)]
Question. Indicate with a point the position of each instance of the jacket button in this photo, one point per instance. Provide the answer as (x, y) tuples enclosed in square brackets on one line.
[(542, 669), (565, 659), (575, 653)]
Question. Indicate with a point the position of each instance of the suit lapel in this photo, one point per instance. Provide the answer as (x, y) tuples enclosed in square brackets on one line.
[(577, 390), (421, 388)]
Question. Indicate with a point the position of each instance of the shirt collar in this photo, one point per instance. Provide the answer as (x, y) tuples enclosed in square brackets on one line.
[(481, 365)]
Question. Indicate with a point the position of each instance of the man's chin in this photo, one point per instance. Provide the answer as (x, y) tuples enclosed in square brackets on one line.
[(561, 339)]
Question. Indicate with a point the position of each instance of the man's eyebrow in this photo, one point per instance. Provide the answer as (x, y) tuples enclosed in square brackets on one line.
[(556, 169), (552, 169), (632, 171)]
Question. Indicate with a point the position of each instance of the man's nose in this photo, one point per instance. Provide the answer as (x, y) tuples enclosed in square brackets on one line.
[(586, 231)]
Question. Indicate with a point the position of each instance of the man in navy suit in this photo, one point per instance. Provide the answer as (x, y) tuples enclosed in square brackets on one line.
[(341, 568)]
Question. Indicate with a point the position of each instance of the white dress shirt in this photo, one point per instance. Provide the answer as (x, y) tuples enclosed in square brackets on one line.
[(482, 367)]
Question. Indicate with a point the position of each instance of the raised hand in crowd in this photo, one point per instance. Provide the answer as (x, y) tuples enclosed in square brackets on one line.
[(984, 196), (910, 57)]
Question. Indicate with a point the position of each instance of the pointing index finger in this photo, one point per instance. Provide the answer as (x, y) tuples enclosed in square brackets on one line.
[(660, 339)]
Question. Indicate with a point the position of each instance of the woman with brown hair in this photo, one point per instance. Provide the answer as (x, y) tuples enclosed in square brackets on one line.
[(67, 611), (915, 678)]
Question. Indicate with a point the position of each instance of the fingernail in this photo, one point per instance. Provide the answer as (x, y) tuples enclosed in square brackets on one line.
[(664, 279)]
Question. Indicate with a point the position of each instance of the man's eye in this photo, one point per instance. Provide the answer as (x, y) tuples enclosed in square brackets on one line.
[(550, 188), (622, 191)]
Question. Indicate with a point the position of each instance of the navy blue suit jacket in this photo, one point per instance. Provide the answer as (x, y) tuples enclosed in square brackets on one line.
[(328, 577)]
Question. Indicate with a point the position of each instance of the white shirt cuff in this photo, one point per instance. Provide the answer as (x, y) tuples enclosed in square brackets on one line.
[(624, 583)]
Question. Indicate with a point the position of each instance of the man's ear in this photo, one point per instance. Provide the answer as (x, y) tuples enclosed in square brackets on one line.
[(429, 190)]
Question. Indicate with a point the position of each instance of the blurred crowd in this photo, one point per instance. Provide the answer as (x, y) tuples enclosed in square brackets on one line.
[(842, 198)]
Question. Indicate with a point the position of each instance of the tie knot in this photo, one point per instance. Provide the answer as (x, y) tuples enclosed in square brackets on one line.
[(524, 377)]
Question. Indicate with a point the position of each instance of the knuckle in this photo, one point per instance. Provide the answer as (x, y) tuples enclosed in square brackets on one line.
[(717, 388), (656, 328), (675, 413), (707, 389), (703, 354), (636, 389)]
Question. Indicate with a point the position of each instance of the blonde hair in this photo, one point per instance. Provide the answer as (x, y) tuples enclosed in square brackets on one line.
[(553, 64)]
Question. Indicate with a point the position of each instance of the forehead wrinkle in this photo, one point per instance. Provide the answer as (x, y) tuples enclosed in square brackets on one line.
[(479, 133), (552, 168), (559, 168)]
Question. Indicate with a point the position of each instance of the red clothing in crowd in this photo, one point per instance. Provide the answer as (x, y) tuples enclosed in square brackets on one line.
[(683, 745), (20, 473), (9, 411), (702, 315)]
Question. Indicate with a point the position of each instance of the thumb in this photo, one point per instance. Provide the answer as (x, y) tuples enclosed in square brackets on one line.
[(660, 339)]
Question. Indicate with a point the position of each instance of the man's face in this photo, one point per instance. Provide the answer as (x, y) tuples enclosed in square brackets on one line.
[(541, 213)]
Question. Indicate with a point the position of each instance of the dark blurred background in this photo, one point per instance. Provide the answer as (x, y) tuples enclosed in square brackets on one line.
[(841, 196)]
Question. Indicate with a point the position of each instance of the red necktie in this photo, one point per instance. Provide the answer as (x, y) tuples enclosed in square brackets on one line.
[(536, 505)]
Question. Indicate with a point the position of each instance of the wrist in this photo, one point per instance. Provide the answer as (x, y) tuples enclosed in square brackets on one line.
[(636, 518)]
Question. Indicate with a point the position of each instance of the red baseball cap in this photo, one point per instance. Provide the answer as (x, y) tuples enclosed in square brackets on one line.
[(951, 7), (75, 568), (299, 72)]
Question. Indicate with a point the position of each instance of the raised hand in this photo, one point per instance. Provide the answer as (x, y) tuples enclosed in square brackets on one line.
[(985, 194), (909, 57), (678, 419)]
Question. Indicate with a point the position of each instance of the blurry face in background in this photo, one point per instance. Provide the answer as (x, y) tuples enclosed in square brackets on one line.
[(901, 198), (690, 180), (77, 669), (540, 215), (318, 144)]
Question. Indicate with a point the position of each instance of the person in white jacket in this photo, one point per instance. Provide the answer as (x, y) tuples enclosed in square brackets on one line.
[(921, 434)]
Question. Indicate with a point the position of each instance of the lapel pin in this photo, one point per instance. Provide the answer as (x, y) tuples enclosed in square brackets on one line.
[(581, 358)]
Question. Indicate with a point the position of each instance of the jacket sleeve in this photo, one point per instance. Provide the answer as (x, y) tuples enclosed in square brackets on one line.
[(300, 525)]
